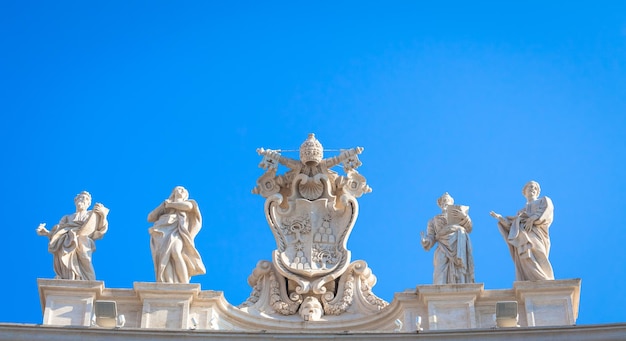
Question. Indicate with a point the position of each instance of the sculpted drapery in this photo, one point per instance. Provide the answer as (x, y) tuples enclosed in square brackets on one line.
[(177, 221), (527, 237), (453, 261), (72, 239)]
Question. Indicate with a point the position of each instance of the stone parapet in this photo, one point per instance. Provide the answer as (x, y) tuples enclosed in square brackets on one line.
[(187, 307)]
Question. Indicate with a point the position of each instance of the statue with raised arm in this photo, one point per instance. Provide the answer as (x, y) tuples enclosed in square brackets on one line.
[(177, 221), (71, 241), (453, 261), (527, 237)]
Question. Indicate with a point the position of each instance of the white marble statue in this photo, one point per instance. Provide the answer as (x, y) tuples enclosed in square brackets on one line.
[(527, 237), (311, 211), (177, 221), (71, 241), (453, 261)]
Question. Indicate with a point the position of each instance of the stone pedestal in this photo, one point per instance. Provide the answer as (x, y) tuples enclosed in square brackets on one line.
[(166, 305), (450, 306), (548, 303), (206, 313), (68, 302)]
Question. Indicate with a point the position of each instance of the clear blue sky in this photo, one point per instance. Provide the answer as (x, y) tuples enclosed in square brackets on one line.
[(127, 99)]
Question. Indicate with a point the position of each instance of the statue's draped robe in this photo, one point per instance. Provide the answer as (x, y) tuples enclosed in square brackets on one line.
[(72, 245), (530, 250), (453, 262), (170, 227)]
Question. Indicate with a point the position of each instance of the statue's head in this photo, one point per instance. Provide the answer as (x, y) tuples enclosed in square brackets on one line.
[(531, 190), (311, 151), (311, 309), (445, 200), (82, 200), (179, 192)]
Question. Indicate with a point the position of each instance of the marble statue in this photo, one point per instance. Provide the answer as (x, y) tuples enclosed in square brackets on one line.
[(71, 241), (453, 261), (526, 235), (311, 211), (177, 221)]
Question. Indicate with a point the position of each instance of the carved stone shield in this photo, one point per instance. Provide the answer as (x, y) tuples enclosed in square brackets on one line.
[(311, 237)]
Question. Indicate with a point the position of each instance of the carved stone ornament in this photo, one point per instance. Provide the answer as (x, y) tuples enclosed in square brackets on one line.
[(311, 211)]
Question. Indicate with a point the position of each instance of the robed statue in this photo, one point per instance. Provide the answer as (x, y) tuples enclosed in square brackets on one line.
[(72, 240)]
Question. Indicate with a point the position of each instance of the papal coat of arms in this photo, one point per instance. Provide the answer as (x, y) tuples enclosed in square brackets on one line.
[(311, 211)]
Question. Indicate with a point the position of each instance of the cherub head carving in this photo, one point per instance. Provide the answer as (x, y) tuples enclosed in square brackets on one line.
[(311, 309)]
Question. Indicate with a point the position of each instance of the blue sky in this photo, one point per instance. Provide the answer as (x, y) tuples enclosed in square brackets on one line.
[(128, 99)]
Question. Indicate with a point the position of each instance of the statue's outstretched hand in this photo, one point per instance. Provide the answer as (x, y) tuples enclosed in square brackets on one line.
[(424, 240), (100, 209), (42, 230)]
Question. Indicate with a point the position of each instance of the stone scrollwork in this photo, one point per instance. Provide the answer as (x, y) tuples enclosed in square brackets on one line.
[(311, 211), (278, 301), (269, 291), (355, 289), (267, 184), (353, 294), (340, 304), (353, 183)]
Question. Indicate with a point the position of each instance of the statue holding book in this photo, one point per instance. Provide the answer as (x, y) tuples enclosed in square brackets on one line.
[(453, 262), (72, 240)]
